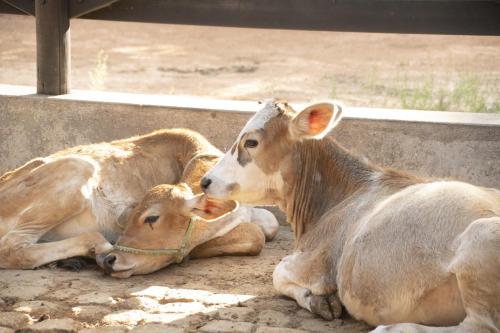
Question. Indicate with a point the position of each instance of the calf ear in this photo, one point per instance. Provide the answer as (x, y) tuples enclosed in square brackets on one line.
[(211, 209), (315, 121)]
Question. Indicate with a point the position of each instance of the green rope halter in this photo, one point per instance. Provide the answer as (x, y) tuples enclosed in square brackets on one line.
[(180, 252)]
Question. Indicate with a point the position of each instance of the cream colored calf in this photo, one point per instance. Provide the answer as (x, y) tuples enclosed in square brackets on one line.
[(397, 250), (75, 202)]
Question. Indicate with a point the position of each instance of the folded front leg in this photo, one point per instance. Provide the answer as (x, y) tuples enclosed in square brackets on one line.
[(305, 278), (245, 239), (27, 256)]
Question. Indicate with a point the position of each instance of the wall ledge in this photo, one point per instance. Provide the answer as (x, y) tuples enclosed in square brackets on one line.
[(210, 104)]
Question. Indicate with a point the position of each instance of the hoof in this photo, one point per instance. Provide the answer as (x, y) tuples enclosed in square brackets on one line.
[(320, 306), (335, 306)]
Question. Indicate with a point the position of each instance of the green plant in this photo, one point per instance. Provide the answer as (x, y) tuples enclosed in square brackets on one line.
[(466, 92), (99, 72)]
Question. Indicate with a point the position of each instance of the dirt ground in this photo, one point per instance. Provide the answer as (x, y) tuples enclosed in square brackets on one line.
[(456, 73), (230, 294), (224, 294)]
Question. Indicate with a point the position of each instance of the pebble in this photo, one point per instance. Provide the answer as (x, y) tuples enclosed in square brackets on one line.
[(273, 318), (236, 314), (90, 313), (14, 319), (224, 326), (64, 325), (267, 329)]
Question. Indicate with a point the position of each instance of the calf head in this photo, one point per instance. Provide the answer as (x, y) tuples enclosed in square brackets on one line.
[(162, 229), (254, 170)]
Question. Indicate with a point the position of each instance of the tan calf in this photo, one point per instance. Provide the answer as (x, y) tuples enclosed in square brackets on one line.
[(76, 202), (397, 250)]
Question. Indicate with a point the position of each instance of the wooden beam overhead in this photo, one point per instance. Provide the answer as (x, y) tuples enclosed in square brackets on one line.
[(78, 8), (25, 6), (52, 47)]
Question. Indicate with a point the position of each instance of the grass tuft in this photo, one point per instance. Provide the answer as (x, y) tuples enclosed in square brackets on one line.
[(460, 92), (99, 73)]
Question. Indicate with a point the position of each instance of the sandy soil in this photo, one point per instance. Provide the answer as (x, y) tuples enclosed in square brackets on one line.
[(225, 294), (231, 294), (377, 70)]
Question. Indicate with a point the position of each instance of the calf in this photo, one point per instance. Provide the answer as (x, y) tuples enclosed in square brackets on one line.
[(76, 202), (396, 249)]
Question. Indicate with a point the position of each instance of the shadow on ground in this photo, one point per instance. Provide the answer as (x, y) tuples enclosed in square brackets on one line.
[(226, 294)]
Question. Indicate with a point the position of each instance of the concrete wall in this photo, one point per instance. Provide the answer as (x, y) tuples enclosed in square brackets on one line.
[(442, 144)]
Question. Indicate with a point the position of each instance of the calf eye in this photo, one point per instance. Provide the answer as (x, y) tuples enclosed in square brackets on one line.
[(151, 219), (251, 143)]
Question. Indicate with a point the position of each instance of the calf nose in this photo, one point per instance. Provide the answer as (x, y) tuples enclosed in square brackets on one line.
[(205, 183), (109, 261)]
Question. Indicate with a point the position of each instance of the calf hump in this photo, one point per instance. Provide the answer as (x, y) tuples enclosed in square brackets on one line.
[(196, 169), (18, 174)]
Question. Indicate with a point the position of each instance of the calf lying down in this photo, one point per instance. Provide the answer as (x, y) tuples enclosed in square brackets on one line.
[(395, 249), (79, 201)]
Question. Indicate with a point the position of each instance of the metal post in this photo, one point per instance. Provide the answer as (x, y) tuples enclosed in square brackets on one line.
[(52, 47)]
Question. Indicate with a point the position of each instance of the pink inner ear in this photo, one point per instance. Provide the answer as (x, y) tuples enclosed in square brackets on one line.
[(313, 117), (318, 121), (209, 206)]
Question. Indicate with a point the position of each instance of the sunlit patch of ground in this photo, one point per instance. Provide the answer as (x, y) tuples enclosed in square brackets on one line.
[(225, 294)]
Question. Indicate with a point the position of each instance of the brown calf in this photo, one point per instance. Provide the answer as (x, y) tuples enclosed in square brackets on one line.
[(75, 202)]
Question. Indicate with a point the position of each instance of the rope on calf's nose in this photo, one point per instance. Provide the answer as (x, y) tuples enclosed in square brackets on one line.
[(179, 252)]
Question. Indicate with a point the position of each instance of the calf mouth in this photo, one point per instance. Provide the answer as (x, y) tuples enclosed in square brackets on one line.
[(115, 269), (123, 274)]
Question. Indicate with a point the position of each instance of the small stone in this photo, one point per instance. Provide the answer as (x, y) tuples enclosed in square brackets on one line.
[(125, 317), (133, 317), (157, 328), (105, 329), (37, 308), (267, 329), (223, 326), (320, 325), (24, 292), (141, 302), (6, 330), (63, 294), (64, 325), (236, 314), (180, 307), (95, 298), (226, 299), (273, 318), (90, 313), (14, 319)]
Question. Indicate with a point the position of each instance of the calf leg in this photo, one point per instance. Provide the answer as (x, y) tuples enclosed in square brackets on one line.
[(266, 221), (477, 268), (34, 255), (245, 239), (305, 277)]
